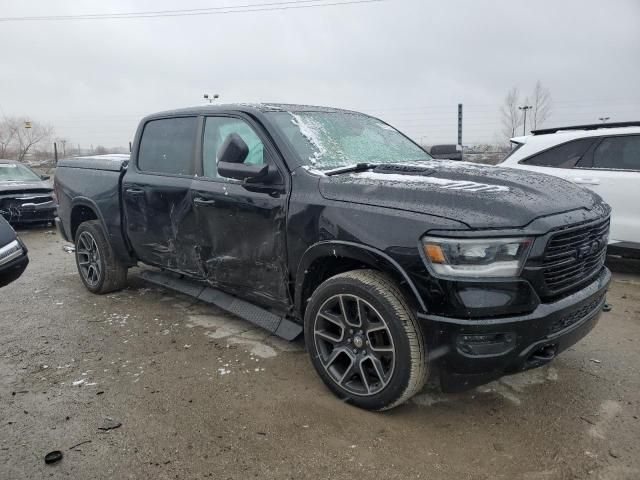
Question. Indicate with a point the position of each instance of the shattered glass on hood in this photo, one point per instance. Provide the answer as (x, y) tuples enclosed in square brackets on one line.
[(328, 140)]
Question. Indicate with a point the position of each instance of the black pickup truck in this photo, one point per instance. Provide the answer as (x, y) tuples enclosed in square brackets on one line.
[(332, 223)]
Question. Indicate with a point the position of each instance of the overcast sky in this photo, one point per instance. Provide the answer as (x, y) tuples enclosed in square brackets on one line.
[(407, 61)]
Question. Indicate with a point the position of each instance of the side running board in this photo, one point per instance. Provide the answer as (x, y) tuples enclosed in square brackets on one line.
[(275, 324)]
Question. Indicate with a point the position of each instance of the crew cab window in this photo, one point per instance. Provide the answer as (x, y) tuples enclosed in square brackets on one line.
[(566, 155), (618, 153), (167, 146), (216, 130)]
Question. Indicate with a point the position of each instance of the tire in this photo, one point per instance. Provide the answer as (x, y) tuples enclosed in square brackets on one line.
[(98, 267), (390, 365)]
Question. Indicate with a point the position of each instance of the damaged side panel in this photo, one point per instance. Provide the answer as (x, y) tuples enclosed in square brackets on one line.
[(160, 221), (242, 240)]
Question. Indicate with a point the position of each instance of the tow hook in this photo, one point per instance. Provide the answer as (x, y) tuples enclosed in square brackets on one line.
[(541, 356)]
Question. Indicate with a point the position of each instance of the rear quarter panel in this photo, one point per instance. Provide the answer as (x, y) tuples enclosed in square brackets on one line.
[(98, 190)]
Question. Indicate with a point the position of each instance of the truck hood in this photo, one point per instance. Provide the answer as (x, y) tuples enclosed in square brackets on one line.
[(25, 187), (479, 196)]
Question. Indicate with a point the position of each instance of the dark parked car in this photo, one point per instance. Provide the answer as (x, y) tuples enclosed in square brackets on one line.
[(13, 254), (25, 196), (334, 223)]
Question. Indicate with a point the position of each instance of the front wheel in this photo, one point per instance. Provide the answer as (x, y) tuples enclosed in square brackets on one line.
[(98, 267), (364, 340)]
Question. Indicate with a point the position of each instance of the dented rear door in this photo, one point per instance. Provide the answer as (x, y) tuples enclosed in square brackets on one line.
[(156, 193)]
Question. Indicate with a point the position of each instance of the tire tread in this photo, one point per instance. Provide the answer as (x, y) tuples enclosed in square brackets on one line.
[(115, 272), (380, 284)]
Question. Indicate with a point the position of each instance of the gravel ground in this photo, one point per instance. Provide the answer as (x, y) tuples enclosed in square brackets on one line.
[(161, 386)]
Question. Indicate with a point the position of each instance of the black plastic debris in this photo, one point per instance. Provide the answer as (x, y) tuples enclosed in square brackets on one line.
[(53, 457), (607, 307), (80, 444)]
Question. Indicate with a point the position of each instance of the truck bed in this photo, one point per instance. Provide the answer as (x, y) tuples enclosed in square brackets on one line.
[(89, 187), (114, 162)]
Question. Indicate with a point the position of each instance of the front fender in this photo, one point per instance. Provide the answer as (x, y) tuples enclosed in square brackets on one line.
[(365, 254)]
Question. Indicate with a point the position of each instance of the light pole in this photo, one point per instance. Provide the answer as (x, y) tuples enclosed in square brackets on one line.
[(524, 125), (211, 98), (604, 119)]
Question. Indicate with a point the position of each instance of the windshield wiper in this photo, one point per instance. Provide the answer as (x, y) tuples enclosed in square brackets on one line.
[(358, 167)]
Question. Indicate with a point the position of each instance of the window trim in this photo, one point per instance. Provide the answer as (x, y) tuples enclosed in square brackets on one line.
[(271, 153), (540, 152), (194, 141)]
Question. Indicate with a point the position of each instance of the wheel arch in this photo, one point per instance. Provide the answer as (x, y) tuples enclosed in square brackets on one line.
[(83, 209), (326, 259)]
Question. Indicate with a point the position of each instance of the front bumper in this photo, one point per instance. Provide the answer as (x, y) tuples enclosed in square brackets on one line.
[(30, 213), (473, 352)]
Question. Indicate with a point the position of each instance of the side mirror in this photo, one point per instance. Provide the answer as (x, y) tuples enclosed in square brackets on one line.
[(231, 156), (243, 172), (45, 177), (233, 150)]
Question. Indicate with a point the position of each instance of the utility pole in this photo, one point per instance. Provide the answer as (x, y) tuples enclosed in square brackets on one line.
[(460, 130), (55, 152), (524, 108), (604, 119)]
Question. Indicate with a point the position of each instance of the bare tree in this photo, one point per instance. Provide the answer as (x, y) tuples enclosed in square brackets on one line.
[(541, 103), (511, 116), (29, 135), (7, 137)]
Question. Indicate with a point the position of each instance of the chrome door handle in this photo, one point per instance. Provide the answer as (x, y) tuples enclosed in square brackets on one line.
[(203, 202), (587, 181), (134, 191)]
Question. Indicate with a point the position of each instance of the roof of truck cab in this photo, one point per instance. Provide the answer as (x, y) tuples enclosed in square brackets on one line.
[(246, 108)]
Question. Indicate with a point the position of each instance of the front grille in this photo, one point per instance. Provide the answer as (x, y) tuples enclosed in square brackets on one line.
[(574, 255), (27, 208), (575, 316)]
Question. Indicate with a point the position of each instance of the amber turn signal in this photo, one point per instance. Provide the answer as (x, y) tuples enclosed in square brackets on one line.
[(434, 253)]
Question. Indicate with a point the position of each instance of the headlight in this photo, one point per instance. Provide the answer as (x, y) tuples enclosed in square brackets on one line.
[(477, 257)]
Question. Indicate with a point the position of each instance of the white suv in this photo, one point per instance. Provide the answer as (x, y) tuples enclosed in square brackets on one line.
[(604, 158)]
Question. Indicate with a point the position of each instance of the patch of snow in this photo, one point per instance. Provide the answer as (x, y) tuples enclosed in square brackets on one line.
[(310, 130), (439, 182)]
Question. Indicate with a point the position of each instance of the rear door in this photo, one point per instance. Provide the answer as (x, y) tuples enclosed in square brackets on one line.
[(561, 160), (157, 195), (242, 226), (612, 169)]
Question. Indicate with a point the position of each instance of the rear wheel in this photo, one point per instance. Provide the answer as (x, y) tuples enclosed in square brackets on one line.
[(364, 340), (97, 265)]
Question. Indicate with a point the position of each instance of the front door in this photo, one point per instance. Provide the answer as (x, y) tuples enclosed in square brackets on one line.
[(157, 195), (242, 242)]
